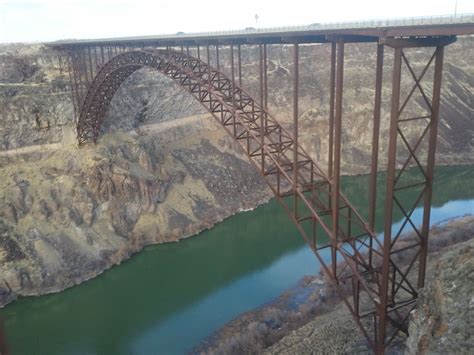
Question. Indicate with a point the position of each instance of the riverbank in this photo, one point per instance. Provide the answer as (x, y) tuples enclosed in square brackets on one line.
[(309, 318), (68, 215)]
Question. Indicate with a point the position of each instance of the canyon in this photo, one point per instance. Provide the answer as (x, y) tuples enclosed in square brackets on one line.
[(163, 169)]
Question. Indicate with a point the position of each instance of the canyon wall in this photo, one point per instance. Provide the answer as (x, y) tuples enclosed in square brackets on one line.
[(35, 105)]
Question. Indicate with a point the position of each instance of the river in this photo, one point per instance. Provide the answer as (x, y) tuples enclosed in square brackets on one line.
[(168, 298)]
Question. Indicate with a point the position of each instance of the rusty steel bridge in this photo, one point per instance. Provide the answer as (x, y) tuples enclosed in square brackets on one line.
[(379, 290)]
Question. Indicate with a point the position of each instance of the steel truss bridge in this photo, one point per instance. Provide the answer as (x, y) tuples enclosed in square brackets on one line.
[(379, 290)]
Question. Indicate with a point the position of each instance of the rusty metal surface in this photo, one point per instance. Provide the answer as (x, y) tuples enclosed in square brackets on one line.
[(378, 290), (399, 290)]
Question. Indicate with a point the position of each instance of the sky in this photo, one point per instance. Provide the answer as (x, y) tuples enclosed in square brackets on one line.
[(49, 20)]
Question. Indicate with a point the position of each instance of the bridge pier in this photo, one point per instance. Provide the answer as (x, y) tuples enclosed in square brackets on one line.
[(390, 287)]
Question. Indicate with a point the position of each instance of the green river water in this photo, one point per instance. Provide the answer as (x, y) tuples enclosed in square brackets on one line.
[(168, 298)]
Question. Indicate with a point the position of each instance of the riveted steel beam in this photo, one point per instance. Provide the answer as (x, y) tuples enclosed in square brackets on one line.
[(417, 42)]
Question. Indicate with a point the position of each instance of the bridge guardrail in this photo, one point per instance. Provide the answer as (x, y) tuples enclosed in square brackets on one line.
[(396, 22), (467, 18)]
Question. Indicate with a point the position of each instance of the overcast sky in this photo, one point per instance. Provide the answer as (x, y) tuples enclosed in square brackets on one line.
[(48, 20)]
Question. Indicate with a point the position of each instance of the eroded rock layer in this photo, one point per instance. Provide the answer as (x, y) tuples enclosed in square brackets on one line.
[(67, 215)]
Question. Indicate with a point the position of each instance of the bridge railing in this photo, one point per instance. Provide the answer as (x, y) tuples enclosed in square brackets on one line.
[(402, 21), (375, 23)]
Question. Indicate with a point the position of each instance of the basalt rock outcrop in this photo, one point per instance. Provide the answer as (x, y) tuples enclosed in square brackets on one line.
[(80, 211), (444, 319)]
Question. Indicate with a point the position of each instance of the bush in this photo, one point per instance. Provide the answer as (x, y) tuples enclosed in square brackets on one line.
[(59, 84), (24, 68)]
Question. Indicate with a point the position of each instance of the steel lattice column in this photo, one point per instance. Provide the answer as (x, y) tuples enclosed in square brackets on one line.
[(398, 291)]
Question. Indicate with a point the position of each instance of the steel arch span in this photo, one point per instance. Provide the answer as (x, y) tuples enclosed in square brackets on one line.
[(313, 201)]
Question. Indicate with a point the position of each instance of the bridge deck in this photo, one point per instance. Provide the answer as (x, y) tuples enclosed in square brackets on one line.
[(364, 31)]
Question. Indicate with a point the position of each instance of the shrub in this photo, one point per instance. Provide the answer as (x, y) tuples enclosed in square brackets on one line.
[(59, 84)]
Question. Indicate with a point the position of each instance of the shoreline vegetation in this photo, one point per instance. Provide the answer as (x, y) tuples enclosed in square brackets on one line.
[(313, 300)]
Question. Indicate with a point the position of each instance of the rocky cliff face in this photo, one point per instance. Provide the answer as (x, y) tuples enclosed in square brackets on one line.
[(80, 211), (34, 105), (444, 319)]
